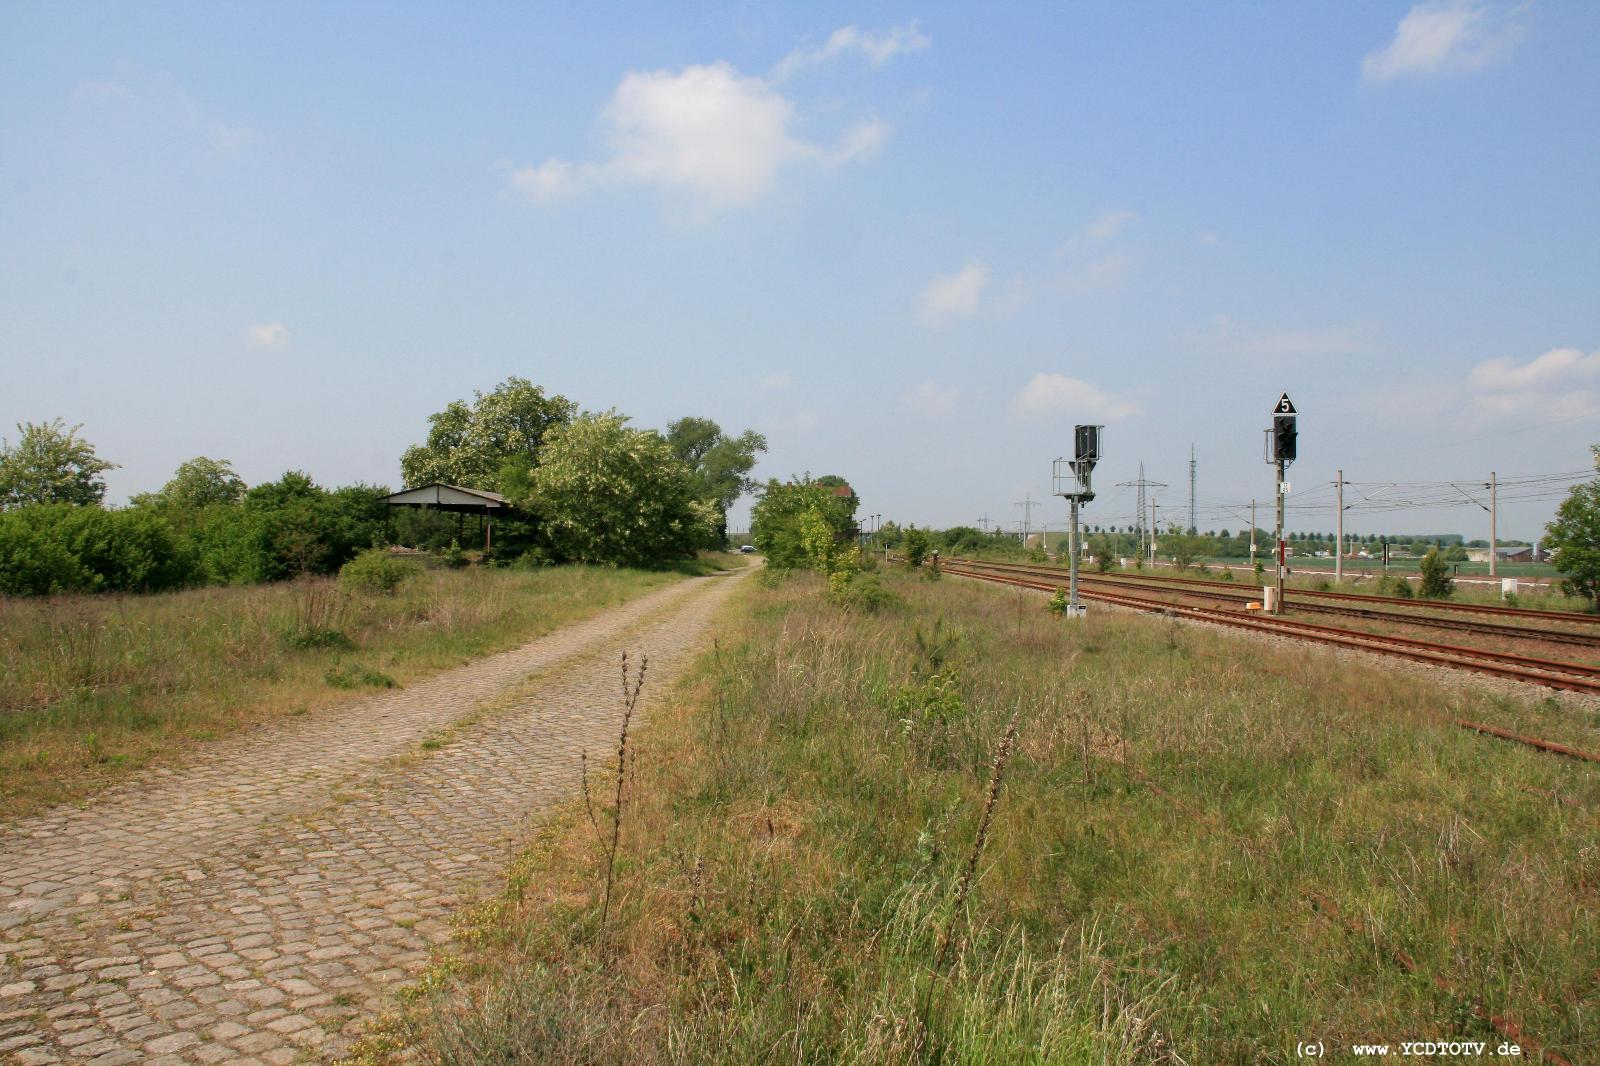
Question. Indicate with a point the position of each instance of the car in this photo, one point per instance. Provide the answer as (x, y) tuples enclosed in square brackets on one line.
[(747, 549)]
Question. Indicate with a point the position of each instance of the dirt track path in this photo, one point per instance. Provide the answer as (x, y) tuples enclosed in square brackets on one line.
[(254, 906)]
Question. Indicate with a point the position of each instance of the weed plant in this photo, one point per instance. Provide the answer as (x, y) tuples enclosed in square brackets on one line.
[(819, 866)]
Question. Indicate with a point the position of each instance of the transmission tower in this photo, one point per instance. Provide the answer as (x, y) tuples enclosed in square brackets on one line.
[(1143, 484), (1028, 503)]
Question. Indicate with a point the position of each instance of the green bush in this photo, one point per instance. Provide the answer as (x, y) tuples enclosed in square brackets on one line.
[(72, 548), (1436, 581), (1394, 585), (357, 676), (915, 546), (375, 571), (453, 556)]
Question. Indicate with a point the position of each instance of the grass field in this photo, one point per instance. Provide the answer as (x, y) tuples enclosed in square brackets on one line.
[(1204, 849), (92, 687)]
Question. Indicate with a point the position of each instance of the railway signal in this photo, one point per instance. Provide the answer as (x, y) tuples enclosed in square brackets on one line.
[(1071, 479), (1284, 440)]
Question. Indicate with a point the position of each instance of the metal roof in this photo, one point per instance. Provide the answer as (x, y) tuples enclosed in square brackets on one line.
[(438, 494)]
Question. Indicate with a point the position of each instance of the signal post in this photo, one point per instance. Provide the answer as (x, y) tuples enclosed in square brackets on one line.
[(1284, 441), (1071, 479)]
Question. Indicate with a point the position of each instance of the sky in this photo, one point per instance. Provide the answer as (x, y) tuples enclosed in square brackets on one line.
[(911, 244)]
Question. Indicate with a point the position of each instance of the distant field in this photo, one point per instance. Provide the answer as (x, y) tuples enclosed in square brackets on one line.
[(1206, 849), (1542, 571), (92, 687)]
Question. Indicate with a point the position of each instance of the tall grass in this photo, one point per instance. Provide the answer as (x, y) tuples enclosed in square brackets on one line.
[(91, 686), (802, 820)]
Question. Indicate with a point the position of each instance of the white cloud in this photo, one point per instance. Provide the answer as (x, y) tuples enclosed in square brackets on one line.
[(709, 130), (877, 48), (1442, 37), (1106, 270), (931, 398), (777, 382), (266, 335), (1108, 225), (100, 92), (1208, 239), (1057, 394), (954, 295), (1561, 383)]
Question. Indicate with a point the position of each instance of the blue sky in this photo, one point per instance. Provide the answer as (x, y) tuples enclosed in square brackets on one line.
[(911, 244)]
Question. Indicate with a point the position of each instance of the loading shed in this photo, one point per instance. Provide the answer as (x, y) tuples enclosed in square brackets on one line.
[(456, 500)]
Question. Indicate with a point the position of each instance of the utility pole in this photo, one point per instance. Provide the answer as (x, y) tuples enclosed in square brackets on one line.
[(1493, 516), (1152, 529), (1252, 534), (1193, 529), (983, 523), (1338, 535)]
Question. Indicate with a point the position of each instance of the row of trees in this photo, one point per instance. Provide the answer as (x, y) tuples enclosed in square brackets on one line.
[(586, 488)]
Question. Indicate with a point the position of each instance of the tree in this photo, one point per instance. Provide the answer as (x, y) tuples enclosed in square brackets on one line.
[(1185, 547), (1574, 538), (608, 493), (916, 546), (50, 463), (200, 482), (482, 445), (719, 464), (1436, 581), (777, 523)]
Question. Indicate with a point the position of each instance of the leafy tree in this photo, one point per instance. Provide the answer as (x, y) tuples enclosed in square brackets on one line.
[(1185, 547), (1574, 538), (777, 521), (608, 493), (916, 546), (1436, 581), (475, 445), (720, 464), (202, 482), (50, 463)]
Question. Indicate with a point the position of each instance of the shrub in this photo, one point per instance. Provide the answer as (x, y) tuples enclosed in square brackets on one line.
[(1058, 603), (1394, 585), (69, 548), (357, 676), (375, 571), (915, 545), (453, 556), (857, 592), (1436, 581)]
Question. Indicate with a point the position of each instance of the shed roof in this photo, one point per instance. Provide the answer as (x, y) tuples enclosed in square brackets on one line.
[(443, 496)]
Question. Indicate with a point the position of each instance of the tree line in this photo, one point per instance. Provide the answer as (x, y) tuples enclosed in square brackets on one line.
[(584, 487)]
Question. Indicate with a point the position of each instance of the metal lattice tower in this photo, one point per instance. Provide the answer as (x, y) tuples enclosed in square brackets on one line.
[(1143, 484)]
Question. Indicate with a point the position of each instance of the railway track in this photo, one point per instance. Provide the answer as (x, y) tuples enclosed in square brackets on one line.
[(1299, 596), (1549, 673), (1225, 590)]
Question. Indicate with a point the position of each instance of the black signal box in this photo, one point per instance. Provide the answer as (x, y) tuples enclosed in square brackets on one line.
[(1086, 443), (1284, 437)]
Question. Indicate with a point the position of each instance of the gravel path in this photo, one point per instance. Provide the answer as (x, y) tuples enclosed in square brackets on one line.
[(255, 905)]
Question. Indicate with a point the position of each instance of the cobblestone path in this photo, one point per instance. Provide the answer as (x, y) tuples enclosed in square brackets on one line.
[(255, 905)]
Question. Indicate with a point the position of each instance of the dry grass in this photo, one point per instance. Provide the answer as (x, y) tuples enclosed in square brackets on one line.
[(92, 687), (801, 818)]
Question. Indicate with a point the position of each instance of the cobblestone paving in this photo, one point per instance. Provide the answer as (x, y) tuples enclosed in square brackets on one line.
[(254, 906)]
